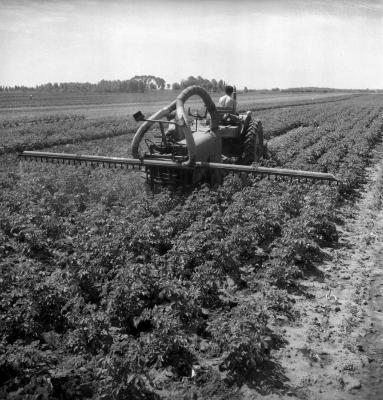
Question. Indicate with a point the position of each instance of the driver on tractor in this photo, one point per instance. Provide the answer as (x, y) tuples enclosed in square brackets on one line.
[(228, 103), (227, 100)]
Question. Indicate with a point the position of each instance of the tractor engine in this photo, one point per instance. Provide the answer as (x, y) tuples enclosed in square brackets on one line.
[(207, 149)]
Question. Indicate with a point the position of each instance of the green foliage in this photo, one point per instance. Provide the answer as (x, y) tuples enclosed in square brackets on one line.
[(244, 338), (40, 133), (105, 288)]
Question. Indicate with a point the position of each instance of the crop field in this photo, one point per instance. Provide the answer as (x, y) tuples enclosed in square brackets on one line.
[(25, 127), (110, 291), (16, 106)]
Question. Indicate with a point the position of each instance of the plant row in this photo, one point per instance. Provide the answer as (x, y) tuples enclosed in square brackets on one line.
[(47, 132)]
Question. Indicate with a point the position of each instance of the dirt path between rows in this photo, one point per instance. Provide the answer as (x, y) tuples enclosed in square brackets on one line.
[(335, 346), (373, 330)]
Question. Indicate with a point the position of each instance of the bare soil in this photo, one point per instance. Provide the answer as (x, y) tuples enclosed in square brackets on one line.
[(335, 346)]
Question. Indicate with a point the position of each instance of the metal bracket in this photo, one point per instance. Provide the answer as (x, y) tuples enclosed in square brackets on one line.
[(138, 116), (197, 117)]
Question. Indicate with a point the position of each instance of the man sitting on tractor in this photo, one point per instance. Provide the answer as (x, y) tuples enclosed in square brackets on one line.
[(227, 100)]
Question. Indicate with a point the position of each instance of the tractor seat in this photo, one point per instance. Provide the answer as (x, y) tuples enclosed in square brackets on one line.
[(227, 116), (225, 110)]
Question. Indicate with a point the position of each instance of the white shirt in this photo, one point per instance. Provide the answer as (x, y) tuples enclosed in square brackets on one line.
[(228, 102)]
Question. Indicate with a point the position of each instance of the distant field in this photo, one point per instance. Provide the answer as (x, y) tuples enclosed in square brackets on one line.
[(96, 105), (23, 128)]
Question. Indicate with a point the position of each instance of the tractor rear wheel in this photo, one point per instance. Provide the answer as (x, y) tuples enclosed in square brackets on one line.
[(252, 143)]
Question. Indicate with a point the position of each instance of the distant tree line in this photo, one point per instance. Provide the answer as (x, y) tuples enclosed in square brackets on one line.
[(144, 83), (137, 84), (210, 85), (310, 89)]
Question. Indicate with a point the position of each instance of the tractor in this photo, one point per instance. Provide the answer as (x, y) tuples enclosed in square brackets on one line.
[(222, 136)]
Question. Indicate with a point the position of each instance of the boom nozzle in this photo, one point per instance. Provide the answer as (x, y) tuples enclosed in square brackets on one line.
[(138, 116)]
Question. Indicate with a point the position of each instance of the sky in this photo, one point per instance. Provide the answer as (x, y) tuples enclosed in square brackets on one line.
[(253, 43)]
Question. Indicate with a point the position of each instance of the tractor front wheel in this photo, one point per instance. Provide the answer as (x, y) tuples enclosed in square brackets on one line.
[(252, 143)]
